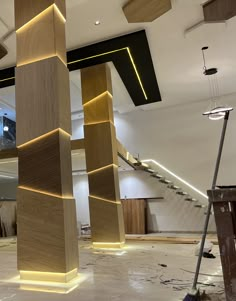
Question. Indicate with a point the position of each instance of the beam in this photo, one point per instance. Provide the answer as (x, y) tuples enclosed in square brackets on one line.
[(137, 11)]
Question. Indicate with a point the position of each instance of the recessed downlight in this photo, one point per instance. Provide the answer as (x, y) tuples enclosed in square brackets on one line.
[(97, 23)]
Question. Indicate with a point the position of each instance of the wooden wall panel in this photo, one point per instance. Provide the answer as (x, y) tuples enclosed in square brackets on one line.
[(42, 218), (100, 82), (33, 44), (105, 217), (134, 216), (44, 157), (25, 10), (100, 145), (145, 11), (44, 87), (99, 110), (105, 183)]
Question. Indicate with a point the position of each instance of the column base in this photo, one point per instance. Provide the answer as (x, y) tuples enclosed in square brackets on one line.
[(108, 245), (48, 277)]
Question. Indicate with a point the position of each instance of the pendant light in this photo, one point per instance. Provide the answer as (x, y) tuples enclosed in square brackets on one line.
[(215, 110)]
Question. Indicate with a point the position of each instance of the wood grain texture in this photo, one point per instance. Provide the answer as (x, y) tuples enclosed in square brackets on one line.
[(105, 183), (25, 10), (134, 216), (95, 80), (99, 110), (42, 90), (46, 237), (106, 221), (100, 145), (145, 11), (42, 39), (219, 10), (77, 144), (50, 158)]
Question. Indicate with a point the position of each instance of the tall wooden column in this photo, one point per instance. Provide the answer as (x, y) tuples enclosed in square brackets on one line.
[(106, 213), (46, 222)]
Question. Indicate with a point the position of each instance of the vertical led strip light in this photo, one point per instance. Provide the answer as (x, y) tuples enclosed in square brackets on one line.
[(47, 228)]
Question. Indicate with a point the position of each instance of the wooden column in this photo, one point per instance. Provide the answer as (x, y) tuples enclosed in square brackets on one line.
[(46, 222), (106, 213)]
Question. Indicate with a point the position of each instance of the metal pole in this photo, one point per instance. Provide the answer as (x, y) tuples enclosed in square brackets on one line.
[(210, 204)]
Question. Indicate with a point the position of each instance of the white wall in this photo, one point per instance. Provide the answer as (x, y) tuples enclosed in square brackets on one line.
[(171, 214), (181, 139)]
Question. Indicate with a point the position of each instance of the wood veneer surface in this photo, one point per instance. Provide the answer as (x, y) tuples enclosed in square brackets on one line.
[(145, 11), (42, 92), (25, 10)]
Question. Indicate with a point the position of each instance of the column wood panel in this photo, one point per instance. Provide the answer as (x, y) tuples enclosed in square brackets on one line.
[(47, 228), (106, 215)]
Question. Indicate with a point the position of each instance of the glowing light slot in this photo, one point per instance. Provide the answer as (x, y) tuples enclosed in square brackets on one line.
[(38, 59), (40, 15), (113, 51), (47, 276), (177, 177), (97, 97), (43, 136), (137, 74), (5, 79), (99, 122), (105, 200), (46, 193), (102, 168), (108, 245)]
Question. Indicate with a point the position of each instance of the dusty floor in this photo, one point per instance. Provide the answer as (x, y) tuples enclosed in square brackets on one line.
[(134, 273)]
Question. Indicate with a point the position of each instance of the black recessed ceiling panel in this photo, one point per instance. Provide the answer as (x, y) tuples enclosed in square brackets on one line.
[(131, 56)]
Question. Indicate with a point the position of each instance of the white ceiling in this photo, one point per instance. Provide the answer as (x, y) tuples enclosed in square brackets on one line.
[(176, 53)]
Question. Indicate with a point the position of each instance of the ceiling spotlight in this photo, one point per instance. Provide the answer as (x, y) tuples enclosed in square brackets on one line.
[(97, 22), (6, 129), (188, 199)]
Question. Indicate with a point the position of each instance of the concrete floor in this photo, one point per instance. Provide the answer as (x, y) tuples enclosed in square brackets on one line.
[(131, 274)]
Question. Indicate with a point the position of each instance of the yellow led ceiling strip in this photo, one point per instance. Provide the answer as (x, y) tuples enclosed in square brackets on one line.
[(106, 53)]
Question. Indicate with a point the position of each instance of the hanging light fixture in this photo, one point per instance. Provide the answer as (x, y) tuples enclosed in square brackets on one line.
[(215, 111)]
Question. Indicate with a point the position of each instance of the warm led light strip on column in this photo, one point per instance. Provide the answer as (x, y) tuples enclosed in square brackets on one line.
[(110, 245), (97, 97), (47, 276), (46, 193), (44, 136), (102, 168), (40, 15), (104, 200)]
